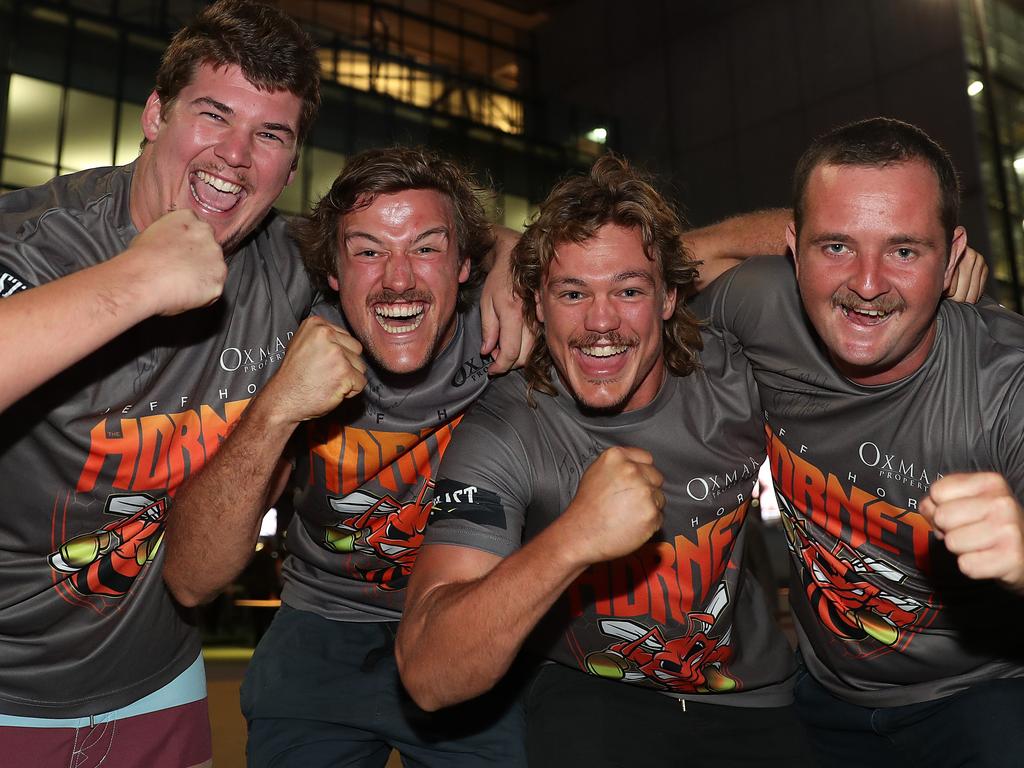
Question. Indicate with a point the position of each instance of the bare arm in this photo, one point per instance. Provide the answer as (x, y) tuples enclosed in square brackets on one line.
[(726, 244), (501, 312), (214, 524), (173, 266), (468, 613)]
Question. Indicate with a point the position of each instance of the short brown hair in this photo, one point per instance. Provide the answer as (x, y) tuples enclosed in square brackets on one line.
[(612, 192), (878, 142), (385, 172), (270, 48)]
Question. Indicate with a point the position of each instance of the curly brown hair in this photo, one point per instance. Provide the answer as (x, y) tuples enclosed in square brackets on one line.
[(613, 192), (270, 48), (384, 172)]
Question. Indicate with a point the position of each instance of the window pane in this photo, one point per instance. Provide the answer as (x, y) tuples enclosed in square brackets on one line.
[(88, 132), (290, 200), (32, 112), (517, 210), (18, 174), (129, 133), (326, 166)]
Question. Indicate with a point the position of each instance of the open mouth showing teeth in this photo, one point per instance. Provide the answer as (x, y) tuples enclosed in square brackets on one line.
[(604, 351), (873, 314), (213, 193), (400, 318)]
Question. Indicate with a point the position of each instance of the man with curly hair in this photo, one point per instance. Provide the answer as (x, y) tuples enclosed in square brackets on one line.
[(371, 388), (592, 508)]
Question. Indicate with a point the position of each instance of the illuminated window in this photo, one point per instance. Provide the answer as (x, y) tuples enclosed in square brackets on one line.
[(88, 132)]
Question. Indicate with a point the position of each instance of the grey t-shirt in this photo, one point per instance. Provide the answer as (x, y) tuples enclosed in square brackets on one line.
[(366, 475), (681, 615), (91, 459), (884, 616)]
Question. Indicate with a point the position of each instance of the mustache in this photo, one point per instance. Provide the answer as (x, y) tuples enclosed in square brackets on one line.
[(387, 296), (613, 338), (847, 299)]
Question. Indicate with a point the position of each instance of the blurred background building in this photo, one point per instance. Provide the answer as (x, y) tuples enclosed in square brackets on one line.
[(716, 97)]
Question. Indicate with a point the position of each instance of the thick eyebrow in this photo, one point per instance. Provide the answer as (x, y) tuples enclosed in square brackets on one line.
[(905, 239), (620, 277), (365, 235), (900, 238), (442, 230), (423, 235), (215, 104), (279, 127)]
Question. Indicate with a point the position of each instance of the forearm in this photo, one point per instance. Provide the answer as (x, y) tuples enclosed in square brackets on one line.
[(49, 328), (724, 245), (458, 639), (215, 520)]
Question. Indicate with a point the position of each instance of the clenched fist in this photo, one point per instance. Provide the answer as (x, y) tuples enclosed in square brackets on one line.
[(617, 508), (981, 521), (322, 367), (178, 257)]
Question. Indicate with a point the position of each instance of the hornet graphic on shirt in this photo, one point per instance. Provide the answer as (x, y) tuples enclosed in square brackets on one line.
[(383, 527)]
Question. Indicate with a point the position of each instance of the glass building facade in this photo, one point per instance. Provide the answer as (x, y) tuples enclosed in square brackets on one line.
[(994, 43), (77, 73)]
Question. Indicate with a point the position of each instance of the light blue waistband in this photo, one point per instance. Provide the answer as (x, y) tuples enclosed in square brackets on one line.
[(187, 687)]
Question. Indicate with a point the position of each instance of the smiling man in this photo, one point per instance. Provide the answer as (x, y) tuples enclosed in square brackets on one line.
[(400, 236), (893, 424), (593, 509), (98, 662)]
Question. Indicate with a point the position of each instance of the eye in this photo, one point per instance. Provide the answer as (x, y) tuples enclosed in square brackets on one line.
[(271, 136), (632, 293), (213, 116), (836, 248), (427, 249), (367, 253), (571, 295), (905, 253)]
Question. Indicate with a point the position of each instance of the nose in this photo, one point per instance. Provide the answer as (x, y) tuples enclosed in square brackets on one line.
[(398, 274), (235, 148), (602, 316), (868, 279)]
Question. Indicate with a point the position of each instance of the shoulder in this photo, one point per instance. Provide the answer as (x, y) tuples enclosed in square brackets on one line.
[(277, 252), (71, 195)]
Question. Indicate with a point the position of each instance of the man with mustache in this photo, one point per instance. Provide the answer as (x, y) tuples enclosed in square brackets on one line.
[(893, 425), (98, 660), (400, 238), (592, 508)]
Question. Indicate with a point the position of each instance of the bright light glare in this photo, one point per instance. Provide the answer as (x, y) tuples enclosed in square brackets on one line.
[(269, 525), (975, 88), (598, 135)]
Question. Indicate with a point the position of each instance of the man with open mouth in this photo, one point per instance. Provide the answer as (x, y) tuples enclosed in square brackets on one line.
[(893, 425), (371, 388), (591, 510)]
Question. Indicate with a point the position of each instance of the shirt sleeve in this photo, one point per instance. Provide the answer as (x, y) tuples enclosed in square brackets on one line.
[(483, 488)]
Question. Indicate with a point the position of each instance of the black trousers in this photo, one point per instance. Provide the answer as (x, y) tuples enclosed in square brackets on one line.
[(982, 726), (577, 719)]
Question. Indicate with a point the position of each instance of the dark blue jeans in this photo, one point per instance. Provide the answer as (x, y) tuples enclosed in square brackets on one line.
[(982, 726), (327, 693)]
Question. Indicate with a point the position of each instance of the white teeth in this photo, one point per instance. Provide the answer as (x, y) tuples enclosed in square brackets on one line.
[(399, 310), (604, 351), (865, 312), (219, 184), (388, 312)]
